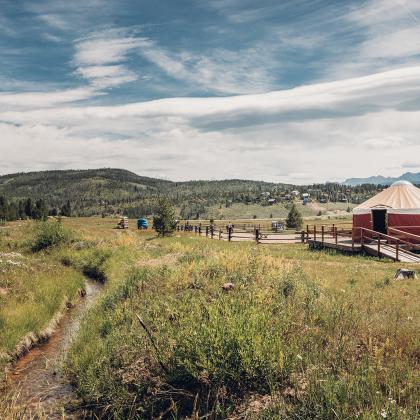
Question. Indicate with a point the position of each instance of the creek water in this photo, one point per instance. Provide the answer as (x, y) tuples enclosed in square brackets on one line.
[(37, 378)]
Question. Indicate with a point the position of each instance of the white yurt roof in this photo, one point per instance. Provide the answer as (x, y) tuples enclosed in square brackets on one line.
[(401, 197)]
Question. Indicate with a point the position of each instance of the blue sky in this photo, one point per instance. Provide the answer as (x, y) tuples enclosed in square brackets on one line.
[(294, 91)]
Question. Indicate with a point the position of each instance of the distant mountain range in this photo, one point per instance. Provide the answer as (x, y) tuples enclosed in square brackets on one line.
[(382, 180)]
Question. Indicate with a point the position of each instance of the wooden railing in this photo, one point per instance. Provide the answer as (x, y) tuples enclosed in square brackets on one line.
[(231, 233), (397, 244)]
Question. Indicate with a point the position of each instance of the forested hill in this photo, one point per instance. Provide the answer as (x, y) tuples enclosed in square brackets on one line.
[(111, 191)]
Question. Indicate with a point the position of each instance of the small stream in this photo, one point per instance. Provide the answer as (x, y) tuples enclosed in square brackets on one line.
[(37, 376)]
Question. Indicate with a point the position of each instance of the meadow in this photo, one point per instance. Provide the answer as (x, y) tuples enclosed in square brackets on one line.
[(190, 327)]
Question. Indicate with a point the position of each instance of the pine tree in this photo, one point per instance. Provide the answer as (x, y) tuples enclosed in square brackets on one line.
[(41, 210), (294, 219), (66, 209), (3, 208), (164, 221), (29, 210)]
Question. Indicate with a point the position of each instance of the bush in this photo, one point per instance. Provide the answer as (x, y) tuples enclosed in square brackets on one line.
[(49, 235)]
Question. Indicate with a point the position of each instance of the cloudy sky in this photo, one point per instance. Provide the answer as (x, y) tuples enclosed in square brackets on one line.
[(295, 91)]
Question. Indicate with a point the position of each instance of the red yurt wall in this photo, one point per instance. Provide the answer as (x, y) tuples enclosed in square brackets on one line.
[(361, 220), (405, 222)]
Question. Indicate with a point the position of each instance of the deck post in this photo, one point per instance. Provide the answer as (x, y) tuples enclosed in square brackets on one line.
[(257, 235), (220, 234), (397, 251), (230, 234), (302, 236), (336, 235), (322, 234), (314, 233), (379, 246), (307, 232), (212, 231), (207, 231)]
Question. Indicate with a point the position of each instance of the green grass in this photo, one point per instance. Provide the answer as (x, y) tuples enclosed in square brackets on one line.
[(35, 287), (303, 334), (278, 211)]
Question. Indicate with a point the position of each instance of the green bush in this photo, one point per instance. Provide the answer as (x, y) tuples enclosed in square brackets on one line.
[(50, 234)]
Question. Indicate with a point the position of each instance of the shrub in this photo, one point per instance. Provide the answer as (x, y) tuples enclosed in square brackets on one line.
[(50, 234)]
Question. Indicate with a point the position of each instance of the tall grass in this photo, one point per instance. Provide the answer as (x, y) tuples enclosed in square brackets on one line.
[(91, 262), (280, 341)]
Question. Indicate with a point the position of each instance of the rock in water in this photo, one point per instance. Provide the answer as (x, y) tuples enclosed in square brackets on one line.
[(404, 273)]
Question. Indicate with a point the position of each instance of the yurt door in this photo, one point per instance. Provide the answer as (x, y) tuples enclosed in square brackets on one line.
[(379, 221)]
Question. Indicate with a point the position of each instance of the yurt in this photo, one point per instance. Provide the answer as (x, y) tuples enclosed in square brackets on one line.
[(397, 206)]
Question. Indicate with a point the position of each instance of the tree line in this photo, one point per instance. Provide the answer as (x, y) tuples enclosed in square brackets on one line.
[(31, 209)]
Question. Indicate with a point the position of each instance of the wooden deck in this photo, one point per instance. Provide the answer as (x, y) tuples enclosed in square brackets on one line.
[(388, 251), (346, 245), (342, 244)]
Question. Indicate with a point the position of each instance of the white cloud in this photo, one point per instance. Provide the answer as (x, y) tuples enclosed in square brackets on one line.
[(101, 57), (219, 70), (105, 47), (106, 76), (380, 91), (326, 131), (53, 20), (388, 30), (30, 100)]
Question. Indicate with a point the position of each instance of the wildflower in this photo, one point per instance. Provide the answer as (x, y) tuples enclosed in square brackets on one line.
[(383, 414), (299, 357)]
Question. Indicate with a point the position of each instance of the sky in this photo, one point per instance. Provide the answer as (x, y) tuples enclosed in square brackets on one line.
[(285, 91)]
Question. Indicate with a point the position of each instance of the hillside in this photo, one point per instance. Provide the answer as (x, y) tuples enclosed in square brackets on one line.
[(382, 180), (112, 191)]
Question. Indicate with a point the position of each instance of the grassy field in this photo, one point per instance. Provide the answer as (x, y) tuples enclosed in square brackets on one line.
[(279, 211), (188, 327), (301, 334)]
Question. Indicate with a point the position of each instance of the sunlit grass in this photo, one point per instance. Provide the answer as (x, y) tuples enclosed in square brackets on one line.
[(313, 333)]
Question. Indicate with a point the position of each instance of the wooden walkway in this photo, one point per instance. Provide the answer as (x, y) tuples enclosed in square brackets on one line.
[(388, 251), (347, 245)]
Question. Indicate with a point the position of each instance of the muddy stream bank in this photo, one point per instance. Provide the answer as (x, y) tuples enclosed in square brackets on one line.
[(37, 379)]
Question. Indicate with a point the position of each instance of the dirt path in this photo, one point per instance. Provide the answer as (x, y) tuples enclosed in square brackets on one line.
[(37, 378)]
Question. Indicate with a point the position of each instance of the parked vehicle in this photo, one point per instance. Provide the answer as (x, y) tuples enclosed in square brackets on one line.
[(277, 226), (142, 223), (123, 223)]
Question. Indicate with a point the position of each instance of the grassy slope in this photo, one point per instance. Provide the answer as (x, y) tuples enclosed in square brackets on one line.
[(114, 190), (280, 211), (302, 335)]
